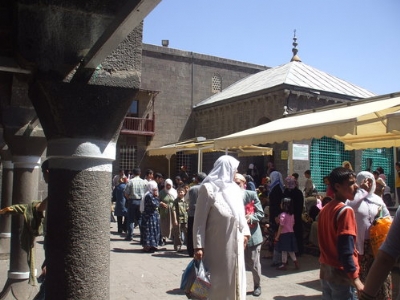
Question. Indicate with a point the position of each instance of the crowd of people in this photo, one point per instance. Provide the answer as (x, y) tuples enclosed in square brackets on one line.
[(157, 207), (225, 221)]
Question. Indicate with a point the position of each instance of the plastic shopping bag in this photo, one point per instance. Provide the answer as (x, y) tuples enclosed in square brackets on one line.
[(201, 286), (188, 278)]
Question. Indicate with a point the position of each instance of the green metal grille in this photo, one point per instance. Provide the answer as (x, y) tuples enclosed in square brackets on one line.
[(374, 158), (325, 155)]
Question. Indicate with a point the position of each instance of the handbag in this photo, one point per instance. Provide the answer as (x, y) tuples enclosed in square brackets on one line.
[(379, 230), (188, 278), (201, 286)]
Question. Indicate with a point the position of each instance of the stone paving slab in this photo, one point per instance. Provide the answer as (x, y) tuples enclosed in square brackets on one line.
[(138, 275)]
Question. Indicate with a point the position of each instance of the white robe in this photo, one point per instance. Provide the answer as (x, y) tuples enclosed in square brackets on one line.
[(216, 230)]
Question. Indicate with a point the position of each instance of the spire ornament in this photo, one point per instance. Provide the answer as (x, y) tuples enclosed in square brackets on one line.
[(294, 49)]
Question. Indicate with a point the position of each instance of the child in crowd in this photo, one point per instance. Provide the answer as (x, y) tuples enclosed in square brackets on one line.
[(337, 232), (180, 218), (309, 187), (285, 238), (329, 191), (296, 176)]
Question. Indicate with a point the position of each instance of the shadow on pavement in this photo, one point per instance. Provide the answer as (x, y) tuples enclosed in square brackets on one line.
[(120, 250), (171, 254), (297, 297), (307, 263), (176, 292), (314, 284)]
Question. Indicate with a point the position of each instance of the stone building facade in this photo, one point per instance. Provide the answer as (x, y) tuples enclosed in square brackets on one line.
[(206, 96), (183, 80), (248, 111), (273, 94)]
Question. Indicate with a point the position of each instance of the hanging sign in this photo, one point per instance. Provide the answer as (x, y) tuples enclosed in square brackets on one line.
[(300, 152)]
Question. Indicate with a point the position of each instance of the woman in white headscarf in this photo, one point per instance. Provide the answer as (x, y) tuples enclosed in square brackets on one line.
[(167, 197), (220, 231), (150, 225), (366, 206)]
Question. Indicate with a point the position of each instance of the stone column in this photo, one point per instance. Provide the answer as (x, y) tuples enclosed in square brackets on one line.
[(77, 240), (25, 189), (82, 130), (6, 200), (26, 142)]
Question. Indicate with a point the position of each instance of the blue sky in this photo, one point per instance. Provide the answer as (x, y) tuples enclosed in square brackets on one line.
[(354, 40)]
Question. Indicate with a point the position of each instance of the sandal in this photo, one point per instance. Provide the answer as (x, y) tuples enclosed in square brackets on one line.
[(281, 267)]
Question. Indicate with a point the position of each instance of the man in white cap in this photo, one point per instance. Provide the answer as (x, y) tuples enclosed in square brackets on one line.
[(254, 214)]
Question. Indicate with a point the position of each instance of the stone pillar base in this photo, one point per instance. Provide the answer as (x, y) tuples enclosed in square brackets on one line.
[(17, 289)]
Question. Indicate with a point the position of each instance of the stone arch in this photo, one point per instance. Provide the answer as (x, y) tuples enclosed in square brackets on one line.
[(263, 120)]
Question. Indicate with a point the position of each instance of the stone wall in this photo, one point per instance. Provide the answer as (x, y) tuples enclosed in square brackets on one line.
[(183, 79)]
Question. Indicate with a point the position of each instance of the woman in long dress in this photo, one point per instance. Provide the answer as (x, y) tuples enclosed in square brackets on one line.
[(366, 206), (150, 226), (220, 231), (167, 197), (275, 197)]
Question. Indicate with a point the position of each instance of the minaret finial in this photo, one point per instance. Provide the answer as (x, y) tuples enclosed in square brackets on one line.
[(294, 49)]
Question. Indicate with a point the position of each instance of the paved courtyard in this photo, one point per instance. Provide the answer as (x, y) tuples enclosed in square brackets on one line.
[(138, 275)]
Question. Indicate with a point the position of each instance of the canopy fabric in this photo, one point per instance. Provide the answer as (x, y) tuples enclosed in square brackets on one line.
[(355, 123), (379, 140), (394, 122), (191, 147), (252, 151)]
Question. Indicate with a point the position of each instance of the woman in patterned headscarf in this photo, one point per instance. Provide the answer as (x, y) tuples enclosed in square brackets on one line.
[(221, 232)]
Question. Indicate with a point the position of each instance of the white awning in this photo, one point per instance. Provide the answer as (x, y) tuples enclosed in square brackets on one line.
[(359, 124), (191, 147), (187, 146)]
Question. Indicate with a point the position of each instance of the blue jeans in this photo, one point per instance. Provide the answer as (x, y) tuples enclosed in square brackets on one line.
[(333, 291), (134, 216)]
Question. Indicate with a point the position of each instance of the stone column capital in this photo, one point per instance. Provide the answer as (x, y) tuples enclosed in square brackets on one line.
[(26, 161)]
